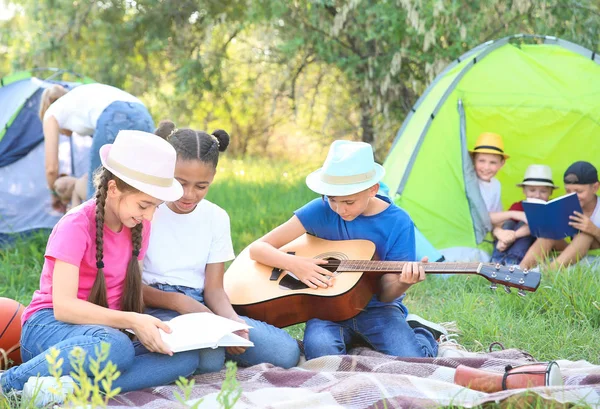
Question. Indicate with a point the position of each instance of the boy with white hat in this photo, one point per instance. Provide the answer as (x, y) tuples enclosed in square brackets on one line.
[(537, 184), (351, 209), (581, 178)]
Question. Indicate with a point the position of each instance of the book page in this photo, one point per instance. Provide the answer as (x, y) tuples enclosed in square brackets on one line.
[(234, 340), (200, 330), (560, 197), (534, 200)]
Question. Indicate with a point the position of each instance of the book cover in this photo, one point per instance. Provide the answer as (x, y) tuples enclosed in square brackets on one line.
[(550, 219), (203, 330)]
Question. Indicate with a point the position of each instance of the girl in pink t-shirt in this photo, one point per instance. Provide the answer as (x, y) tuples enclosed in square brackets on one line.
[(90, 286)]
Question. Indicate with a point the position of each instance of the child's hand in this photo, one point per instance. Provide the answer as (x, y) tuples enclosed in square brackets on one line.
[(583, 223), (244, 333), (507, 236), (308, 271), (412, 272), (502, 245), (146, 329)]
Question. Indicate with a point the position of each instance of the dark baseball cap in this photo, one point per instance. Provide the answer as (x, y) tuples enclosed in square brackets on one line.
[(581, 173)]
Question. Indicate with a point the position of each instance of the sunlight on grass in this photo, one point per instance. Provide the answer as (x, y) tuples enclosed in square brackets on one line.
[(259, 195), (561, 320)]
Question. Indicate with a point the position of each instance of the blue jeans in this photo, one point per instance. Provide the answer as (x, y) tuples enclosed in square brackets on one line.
[(383, 328), (116, 117), (271, 345), (139, 368), (516, 252)]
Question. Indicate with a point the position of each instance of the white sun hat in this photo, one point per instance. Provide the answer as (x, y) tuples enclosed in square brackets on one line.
[(538, 175), (144, 161), (349, 168)]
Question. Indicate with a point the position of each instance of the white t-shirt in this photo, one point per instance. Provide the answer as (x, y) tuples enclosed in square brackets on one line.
[(490, 191), (596, 214), (181, 245), (80, 108)]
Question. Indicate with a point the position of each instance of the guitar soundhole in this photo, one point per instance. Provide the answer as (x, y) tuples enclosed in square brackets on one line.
[(332, 255), (290, 283)]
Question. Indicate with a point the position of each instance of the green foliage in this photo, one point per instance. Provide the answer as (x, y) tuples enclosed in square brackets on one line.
[(276, 71), (186, 386), (96, 390), (230, 389), (228, 395), (389, 51)]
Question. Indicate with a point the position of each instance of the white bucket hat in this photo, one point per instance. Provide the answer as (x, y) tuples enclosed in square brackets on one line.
[(144, 161), (349, 168), (538, 175)]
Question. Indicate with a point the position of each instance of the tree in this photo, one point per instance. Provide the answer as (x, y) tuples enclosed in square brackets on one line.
[(273, 69), (389, 51)]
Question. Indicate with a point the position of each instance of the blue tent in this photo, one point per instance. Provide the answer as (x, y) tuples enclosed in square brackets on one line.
[(24, 197)]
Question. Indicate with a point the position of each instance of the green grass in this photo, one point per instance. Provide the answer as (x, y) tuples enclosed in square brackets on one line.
[(561, 320)]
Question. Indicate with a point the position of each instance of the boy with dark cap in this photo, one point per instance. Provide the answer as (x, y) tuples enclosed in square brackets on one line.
[(581, 178)]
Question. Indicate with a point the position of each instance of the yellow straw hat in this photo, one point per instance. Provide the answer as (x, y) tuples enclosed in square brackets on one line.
[(489, 142)]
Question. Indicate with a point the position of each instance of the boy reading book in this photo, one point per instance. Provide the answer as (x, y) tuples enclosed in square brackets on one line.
[(537, 184), (580, 178), (550, 220)]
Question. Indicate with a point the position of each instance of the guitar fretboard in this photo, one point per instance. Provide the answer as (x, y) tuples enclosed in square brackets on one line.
[(396, 266)]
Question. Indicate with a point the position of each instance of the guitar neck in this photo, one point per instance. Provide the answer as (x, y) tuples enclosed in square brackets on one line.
[(382, 267)]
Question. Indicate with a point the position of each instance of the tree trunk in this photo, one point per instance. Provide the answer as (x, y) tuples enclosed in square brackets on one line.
[(366, 121)]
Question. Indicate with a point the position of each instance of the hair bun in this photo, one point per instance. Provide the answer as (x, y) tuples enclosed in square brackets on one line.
[(165, 128), (223, 138)]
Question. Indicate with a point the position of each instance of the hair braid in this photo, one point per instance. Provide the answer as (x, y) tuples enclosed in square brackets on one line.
[(132, 291), (98, 292)]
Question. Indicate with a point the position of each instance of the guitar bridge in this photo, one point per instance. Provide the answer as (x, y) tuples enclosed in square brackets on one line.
[(276, 272), (290, 283)]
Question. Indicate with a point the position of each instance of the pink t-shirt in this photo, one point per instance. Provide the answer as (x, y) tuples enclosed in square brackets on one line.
[(73, 240)]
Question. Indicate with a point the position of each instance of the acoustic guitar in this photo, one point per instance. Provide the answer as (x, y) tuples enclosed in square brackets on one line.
[(278, 298)]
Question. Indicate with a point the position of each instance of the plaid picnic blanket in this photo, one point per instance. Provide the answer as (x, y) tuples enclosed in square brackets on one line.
[(367, 379)]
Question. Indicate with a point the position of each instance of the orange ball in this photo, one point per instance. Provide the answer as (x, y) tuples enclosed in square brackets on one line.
[(10, 331)]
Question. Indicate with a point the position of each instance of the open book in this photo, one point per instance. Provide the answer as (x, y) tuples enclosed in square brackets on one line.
[(203, 330), (550, 219)]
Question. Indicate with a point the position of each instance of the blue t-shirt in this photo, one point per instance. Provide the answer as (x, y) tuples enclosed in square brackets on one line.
[(392, 231)]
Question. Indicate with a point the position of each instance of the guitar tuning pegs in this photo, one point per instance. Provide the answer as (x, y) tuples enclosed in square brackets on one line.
[(522, 293), (507, 289), (498, 266), (493, 286), (511, 269)]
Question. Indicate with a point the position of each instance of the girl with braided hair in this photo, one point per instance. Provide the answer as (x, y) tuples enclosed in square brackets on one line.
[(90, 286), (189, 245)]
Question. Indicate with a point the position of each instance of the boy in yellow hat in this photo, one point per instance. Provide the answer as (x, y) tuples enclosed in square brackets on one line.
[(488, 158)]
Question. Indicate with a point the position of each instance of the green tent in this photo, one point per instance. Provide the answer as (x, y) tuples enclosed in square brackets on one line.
[(541, 93)]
